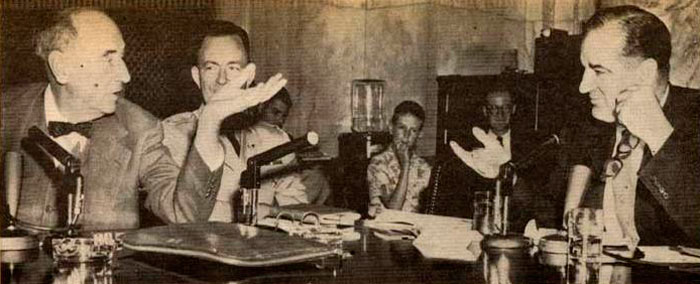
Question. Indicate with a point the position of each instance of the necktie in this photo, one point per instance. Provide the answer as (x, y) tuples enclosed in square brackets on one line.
[(500, 140), (624, 193), (57, 128)]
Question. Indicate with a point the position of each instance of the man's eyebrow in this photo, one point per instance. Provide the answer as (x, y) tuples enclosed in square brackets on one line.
[(109, 52), (210, 62), (598, 66)]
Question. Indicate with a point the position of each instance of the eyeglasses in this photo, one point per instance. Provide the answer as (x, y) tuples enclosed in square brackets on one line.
[(613, 166), (493, 110)]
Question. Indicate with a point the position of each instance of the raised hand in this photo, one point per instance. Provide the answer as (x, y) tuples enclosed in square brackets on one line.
[(638, 109), (485, 161), (232, 98), (403, 153)]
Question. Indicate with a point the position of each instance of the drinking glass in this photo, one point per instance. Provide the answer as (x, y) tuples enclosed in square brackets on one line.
[(585, 230), (483, 213)]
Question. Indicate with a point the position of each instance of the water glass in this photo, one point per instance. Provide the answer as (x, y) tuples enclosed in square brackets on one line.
[(483, 213), (585, 231)]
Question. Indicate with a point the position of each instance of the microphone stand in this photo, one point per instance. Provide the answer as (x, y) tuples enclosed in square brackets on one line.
[(505, 182), (71, 174), (246, 200), (504, 188)]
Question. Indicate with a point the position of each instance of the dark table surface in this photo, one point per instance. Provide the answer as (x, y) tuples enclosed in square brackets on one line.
[(371, 260)]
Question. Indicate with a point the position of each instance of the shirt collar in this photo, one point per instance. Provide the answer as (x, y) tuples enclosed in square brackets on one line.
[(664, 97), (504, 136), (51, 107), (267, 124)]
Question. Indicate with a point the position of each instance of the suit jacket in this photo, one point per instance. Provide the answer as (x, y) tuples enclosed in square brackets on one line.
[(123, 156), (667, 204), (453, 183)]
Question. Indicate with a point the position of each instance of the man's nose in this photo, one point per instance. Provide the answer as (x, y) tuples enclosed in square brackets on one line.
[(587, 82), (123, 73), (222, 79)]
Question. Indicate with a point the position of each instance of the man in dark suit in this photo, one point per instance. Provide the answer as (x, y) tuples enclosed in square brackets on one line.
[(119, 144), (455, 180), (641, 162)]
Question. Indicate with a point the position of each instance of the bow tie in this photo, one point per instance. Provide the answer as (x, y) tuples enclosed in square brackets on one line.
[(58, 129)]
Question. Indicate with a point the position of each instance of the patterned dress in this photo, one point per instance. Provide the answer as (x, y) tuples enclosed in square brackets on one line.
[(383, 175)]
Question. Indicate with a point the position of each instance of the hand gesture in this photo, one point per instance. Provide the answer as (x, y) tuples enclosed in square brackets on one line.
[(485, 161), (403, 153), (232, 98), (638, 109)]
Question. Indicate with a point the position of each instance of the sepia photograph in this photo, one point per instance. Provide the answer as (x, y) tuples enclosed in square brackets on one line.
[(350, 141)]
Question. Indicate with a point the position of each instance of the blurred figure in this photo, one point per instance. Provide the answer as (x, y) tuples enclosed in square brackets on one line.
[(289, 187)]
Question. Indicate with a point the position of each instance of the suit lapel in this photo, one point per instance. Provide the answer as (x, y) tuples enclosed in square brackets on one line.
[(42, 179), (108, 156)]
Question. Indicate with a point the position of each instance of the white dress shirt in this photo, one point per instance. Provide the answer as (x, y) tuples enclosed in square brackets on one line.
[(70, 142), (627, 177)]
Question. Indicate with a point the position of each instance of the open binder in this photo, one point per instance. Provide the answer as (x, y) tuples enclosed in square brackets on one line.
[(309, 213)]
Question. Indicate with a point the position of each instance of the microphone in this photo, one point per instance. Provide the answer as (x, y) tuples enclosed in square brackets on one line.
[(250, 178), (246, 199), (41, 139), (528, 160), (13, 181), (310, 139)]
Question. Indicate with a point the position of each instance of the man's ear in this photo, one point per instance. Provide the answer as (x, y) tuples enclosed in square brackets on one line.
[(485, 112), (648, 70), (58, 66), (250, 74), (195, 75), (515, 107)]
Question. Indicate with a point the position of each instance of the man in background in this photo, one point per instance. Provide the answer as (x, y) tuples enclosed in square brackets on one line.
[(293, 185), (490, 147)]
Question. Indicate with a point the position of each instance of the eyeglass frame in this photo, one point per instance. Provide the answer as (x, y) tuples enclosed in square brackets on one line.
[(494, 109)]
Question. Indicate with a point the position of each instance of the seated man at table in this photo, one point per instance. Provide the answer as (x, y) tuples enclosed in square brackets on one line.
[(456, 179), (221, 60), (119, 143), (289, 187), (397, 176), (640, 162)]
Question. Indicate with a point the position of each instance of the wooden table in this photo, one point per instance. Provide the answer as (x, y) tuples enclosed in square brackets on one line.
[(372, 260)]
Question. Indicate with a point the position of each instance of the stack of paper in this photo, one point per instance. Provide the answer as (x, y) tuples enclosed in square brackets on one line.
[(439, 237)]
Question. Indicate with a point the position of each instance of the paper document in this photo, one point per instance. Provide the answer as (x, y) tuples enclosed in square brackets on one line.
[(439, 237)]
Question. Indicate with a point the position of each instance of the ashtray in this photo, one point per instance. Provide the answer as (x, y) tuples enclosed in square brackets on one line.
[(100, 247)]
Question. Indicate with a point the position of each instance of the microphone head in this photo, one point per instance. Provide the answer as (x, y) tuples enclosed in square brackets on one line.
[(556, 138), (312, 138)]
